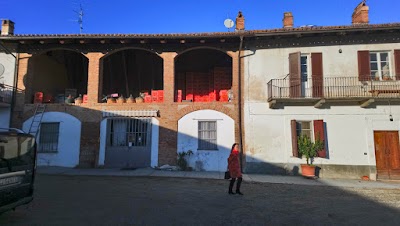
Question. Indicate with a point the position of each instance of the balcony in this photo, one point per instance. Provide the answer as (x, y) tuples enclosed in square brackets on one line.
[(332, 90), (6, 93)]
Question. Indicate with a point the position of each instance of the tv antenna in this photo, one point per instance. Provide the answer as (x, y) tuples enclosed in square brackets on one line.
[(228, 23), (80, 18)]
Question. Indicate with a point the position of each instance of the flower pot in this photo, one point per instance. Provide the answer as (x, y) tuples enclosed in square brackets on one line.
[(130, 100), (121, 100), (307, 170), (111, 100), (139, 100), (78, 100)]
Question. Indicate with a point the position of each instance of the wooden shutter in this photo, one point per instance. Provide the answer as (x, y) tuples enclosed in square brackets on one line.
[(317, 75), (295, 150), (397, 63), (294, 74), (319, 133), (364, 67)]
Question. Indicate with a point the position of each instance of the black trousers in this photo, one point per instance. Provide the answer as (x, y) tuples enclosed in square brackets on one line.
[(232, 182)]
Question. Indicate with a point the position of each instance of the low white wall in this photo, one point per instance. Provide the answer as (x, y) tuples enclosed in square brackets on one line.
[(68, 141), (214, 160)]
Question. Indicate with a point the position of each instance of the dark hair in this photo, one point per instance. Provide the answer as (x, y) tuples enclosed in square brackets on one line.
[(233, 146)]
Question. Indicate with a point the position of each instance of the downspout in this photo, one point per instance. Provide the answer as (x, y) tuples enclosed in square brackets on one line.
[(240, 102), (14, 92)]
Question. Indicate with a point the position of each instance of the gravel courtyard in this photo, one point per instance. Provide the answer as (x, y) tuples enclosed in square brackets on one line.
[(105, 200)]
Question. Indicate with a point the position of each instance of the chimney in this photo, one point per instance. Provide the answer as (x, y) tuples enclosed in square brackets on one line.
[(360, 14), (287, 20), (240, 22), (7, 27)]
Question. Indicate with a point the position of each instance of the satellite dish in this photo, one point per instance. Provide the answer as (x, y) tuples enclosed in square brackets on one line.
[(228, 23), (1, 69)]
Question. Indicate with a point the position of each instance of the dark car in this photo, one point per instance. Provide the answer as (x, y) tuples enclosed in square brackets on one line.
[(17, 168)]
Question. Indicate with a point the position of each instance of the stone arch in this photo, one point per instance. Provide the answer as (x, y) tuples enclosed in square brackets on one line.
[(128, 48), (202, 47)]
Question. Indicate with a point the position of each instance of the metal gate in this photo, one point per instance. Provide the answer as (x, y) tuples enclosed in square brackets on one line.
[(128, 142)]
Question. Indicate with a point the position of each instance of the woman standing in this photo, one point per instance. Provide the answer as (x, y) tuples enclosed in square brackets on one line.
[(234, 169)]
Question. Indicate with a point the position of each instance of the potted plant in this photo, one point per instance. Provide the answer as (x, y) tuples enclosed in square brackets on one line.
[(309, 149)]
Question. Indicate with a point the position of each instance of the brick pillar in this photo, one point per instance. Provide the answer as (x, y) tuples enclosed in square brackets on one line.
[(95, 77), (24, 83), (169, 78), (90, 144)]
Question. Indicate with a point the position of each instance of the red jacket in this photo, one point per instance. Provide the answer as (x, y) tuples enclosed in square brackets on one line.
[(234, 165)]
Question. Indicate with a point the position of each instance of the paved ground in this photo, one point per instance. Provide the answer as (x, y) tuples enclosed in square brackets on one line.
[(144, 200)]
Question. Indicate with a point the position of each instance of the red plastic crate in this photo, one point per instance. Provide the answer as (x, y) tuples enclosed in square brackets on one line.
[(38, 97), (147, 99), (85, 99)]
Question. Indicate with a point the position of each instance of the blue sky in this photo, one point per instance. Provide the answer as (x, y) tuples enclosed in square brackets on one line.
[(181, 16)]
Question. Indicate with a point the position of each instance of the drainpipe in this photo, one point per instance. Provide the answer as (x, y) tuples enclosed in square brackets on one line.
[(14, 92), (240, 102)]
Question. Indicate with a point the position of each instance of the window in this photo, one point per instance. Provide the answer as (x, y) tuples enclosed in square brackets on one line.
[(207, 135), (48, 141), (304, 128), (314, 129), (380, 65), (129, 132)]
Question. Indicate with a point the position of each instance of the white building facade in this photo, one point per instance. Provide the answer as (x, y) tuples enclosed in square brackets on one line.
[(343, 84)]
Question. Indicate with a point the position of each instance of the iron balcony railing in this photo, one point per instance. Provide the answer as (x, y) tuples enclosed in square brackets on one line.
[(6, 93), (332, 88)]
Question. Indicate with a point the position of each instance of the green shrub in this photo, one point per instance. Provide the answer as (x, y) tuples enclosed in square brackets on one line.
[(182, 162), (308, 148)]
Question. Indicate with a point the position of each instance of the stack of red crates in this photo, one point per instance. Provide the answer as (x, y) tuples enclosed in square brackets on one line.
[(222, 82), (156, 96)]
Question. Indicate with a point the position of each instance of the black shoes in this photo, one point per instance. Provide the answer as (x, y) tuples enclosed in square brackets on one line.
[(239, 193), (233, 193)]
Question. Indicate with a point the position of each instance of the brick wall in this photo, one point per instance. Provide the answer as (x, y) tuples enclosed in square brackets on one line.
[(90, 114)]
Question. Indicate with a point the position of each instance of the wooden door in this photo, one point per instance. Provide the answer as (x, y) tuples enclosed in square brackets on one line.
[(387, 154)]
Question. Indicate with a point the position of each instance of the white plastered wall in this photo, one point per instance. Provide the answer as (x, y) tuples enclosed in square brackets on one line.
[(207, 160), (68, 140)]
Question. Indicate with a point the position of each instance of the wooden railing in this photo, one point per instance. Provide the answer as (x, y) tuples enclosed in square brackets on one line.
[(332, 87)]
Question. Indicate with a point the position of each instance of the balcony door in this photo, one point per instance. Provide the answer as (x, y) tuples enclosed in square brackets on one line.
[(305, 75)]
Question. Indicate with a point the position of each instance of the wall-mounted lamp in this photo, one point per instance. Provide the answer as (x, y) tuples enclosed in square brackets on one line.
[(391, 117), (340, 50)]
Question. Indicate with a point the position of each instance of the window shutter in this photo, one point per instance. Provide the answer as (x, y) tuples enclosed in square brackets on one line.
[(397, 63), (317, 74), (364, 67), (294, 138), (319, 132), (294, 74)]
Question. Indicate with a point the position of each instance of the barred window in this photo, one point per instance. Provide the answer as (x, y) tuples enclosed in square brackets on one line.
[(207, 135), (48, 141)]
